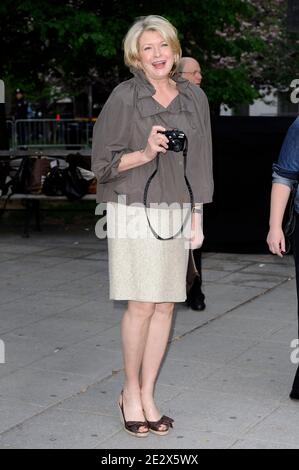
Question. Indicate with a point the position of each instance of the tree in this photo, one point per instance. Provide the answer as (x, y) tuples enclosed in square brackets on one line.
[(54, 47), (243, 46)]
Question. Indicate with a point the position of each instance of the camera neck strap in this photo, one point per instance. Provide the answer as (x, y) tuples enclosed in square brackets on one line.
[(185, 151)]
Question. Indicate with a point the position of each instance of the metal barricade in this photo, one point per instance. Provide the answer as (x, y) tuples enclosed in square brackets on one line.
[(51, 133)]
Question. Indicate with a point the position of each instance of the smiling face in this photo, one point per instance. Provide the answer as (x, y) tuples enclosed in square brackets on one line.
[(156, 56)]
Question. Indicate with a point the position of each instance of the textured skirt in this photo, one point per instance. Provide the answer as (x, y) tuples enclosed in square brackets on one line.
[(142, 267)]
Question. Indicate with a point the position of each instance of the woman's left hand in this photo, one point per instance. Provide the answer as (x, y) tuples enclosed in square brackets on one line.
[(197, 236)]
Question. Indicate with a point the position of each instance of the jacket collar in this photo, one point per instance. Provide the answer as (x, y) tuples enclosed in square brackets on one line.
[(146, 90)]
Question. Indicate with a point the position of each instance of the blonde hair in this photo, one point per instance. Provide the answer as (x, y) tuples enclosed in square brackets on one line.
[(150, 23)]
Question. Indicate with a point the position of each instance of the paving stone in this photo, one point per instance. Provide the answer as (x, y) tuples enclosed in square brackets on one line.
[(34, 308), (287, 270), (90, 361), (261, 444), (254, 258), (199, 346), (229, 265), (42, 338), (61, 429), (178, 438), (221, 298), (266, 355), (13, 412), (239, 326), (253, 279), (40, 387), (68, 252), (264, 384), (280, 426)]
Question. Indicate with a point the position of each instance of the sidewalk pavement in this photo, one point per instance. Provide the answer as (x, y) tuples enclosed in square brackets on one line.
[(225, 380)]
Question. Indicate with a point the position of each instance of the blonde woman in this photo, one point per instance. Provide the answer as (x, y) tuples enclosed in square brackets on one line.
[(145, 270)]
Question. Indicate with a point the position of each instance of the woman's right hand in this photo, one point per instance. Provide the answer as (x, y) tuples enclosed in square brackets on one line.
[(276, 241), (156, 143)]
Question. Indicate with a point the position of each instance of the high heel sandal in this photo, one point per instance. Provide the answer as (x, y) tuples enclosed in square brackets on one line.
[(132, 426), (155, 425)]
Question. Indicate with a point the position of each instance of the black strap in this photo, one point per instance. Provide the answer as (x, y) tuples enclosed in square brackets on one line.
[(185, 151)]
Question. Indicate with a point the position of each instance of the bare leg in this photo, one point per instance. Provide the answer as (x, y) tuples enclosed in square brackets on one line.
[(134, 328), (156, 343)]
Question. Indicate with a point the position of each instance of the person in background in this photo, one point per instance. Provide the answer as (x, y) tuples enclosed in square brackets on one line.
[(190, 69), (21, 105), (285, 177), (21, 112)]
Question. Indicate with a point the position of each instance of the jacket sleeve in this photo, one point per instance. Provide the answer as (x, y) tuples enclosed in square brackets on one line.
[(277, 178), (287, 166), (200, 173), (209, 152), (111, 136)]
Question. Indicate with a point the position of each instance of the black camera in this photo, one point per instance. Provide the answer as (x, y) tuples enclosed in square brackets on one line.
[(176, 139)]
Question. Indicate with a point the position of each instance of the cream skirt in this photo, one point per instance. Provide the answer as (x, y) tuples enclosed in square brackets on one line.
[(141, 267)]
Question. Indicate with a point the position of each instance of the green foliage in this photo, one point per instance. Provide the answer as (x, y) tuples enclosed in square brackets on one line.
[(51, 47)]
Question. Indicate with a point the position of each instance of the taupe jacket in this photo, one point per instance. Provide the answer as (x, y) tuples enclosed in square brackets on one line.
[(123, 126)]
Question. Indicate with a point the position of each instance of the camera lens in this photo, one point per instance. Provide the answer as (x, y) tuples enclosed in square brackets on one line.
[(176, 145)]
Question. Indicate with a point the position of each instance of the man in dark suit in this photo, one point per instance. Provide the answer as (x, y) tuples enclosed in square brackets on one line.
[(190, 69)]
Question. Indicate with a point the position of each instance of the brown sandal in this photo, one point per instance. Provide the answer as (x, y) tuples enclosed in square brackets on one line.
[(155, 425), (132, 426)]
